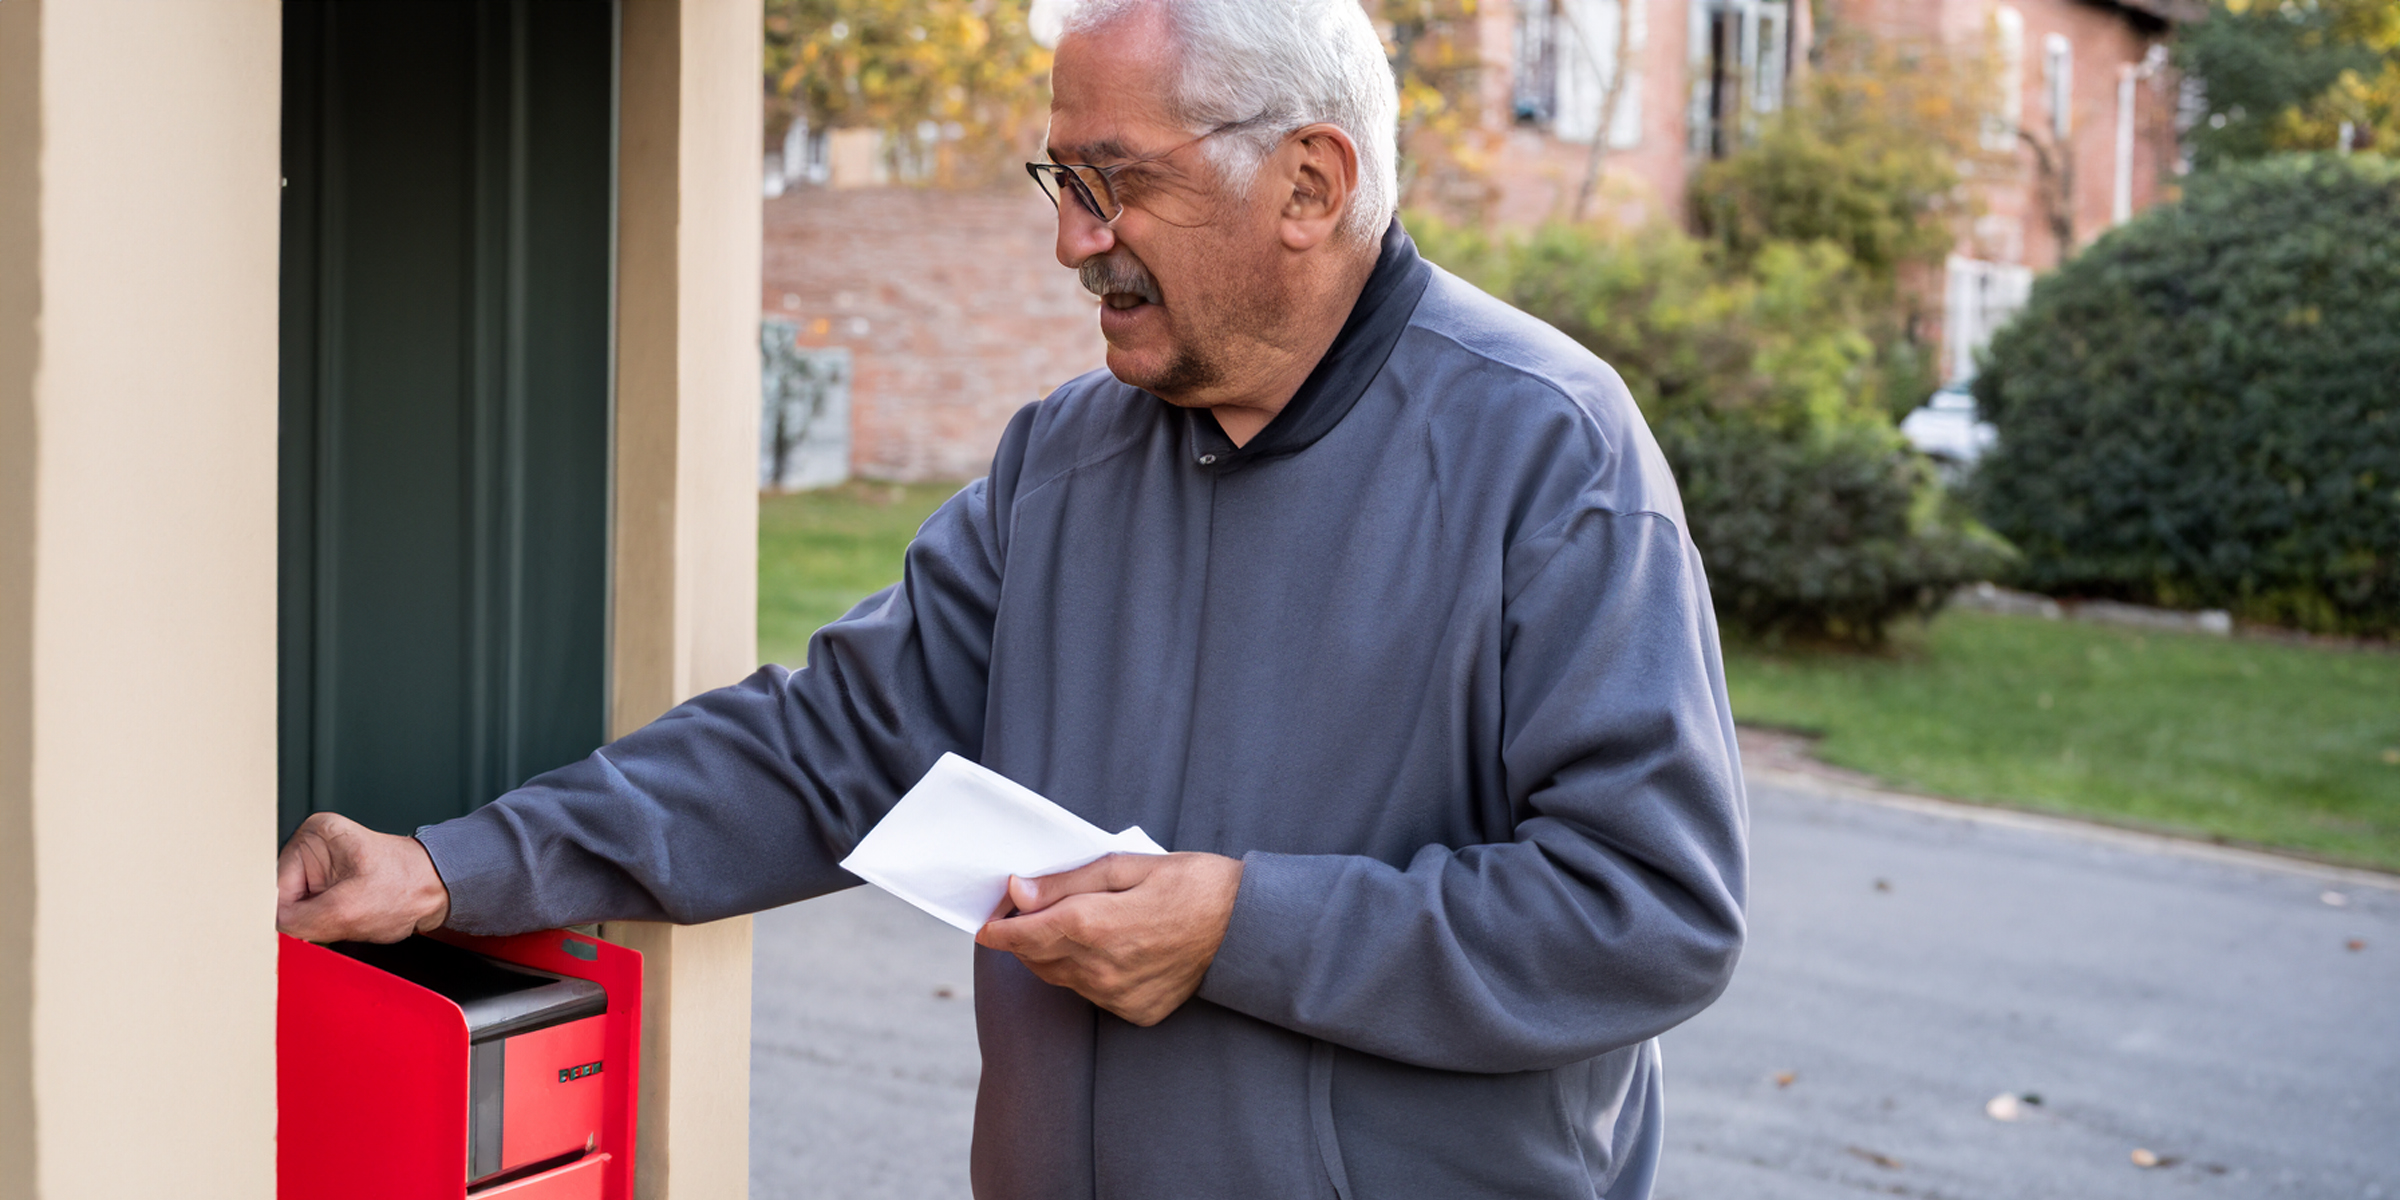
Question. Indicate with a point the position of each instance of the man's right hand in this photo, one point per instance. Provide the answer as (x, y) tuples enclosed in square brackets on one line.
[(339, 881)]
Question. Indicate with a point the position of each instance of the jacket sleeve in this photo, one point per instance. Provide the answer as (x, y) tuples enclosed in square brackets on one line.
[(1614, 913), (747, 797)]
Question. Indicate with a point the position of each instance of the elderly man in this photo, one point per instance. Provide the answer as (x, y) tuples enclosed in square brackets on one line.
[(1367, 595)]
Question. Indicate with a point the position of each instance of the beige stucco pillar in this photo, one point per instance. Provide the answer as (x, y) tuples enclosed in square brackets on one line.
[(685, 581), (138, 207)]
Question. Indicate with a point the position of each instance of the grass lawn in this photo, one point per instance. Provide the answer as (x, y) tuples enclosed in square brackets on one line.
[(821, 552), (2277, 745), (2289, 746)]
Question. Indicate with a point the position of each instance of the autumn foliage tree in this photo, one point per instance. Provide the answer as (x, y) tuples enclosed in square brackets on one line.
[(957, 87), (1435, 62), (1868, 158), (2284, 75)]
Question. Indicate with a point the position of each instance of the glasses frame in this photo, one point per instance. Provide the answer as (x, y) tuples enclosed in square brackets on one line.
[(1056, 178)]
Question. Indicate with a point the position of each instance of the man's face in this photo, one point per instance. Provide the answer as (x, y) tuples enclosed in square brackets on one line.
[(1187, 275)]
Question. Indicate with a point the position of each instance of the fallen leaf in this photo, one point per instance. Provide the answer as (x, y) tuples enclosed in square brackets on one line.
[(943, 993), (1886, 1161), (2003, 1107), (1785, 1078), (2336, 899), (1883, 885), (2356, 943), (2144, 1159)]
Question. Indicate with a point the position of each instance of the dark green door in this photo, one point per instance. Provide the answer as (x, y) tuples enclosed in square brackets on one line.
[(447, 235)]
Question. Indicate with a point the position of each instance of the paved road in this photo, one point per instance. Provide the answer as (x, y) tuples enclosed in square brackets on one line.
[(1907, 965)]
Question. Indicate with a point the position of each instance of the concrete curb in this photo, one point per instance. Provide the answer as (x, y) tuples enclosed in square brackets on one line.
[(2128, 839)]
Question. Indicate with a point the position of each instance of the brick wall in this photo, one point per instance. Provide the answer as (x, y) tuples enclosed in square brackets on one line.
[(2107, 41), (957, 314), (954, 308)]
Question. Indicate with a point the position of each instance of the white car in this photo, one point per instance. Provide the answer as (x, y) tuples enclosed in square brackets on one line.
[(1947, 430)]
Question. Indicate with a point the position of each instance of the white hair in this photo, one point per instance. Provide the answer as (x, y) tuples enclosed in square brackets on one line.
[(1274, 66)]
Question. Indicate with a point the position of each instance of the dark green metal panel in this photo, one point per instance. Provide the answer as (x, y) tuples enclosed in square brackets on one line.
[(445, 389)]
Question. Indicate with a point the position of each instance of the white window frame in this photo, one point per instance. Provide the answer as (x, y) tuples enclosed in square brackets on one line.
[(2058, 85), (2008, 109), (1583, 75), (1762, 50), (1980, 297), (2121, 208)]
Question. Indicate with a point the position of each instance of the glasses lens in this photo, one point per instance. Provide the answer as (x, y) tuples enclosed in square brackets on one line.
[(1088, 186), (1097, 193), (1041, 173)]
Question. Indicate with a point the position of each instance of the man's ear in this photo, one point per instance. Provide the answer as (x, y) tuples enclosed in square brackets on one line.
[(1322, 164)]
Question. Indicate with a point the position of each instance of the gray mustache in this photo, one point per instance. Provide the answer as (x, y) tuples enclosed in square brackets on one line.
[(1109, 274)]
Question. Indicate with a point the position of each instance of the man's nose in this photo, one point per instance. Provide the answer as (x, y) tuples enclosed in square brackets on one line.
[(1081, 235)]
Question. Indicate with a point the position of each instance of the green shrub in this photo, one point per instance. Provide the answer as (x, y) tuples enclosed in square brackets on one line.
[(2203, 408), (1826, 536), (1815, 519)]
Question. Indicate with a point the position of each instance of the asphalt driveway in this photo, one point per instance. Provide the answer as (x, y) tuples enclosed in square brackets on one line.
[(1910, 963)]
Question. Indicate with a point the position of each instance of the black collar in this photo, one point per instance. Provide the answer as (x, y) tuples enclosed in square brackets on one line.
[(1341, 377)]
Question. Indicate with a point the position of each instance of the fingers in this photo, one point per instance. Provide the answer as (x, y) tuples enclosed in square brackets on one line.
[(291, 874), (1034, 937), (319, 853), (337, 880), (1115, 873), (1133, 934), (320, 919)]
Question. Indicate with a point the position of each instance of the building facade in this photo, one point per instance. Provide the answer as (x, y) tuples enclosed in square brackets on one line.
[(955, 314), (2079, 130)]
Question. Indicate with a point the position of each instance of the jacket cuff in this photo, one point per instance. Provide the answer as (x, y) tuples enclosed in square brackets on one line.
[(478, 866), (1271, 934)]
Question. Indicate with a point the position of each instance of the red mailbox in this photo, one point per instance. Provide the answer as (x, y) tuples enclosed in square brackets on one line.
[(461, 1067)]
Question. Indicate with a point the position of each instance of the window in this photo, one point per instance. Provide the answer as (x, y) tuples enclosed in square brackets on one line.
[(2008, 107), (2121, 208), (1981, 297), (1567, 56), (1741, 54), (2058, 85), (1535, 79)]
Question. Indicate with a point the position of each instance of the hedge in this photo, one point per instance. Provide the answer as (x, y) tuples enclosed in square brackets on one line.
[(2203, 409)]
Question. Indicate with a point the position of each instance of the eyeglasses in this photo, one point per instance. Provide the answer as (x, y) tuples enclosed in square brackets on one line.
[(1095, 187)]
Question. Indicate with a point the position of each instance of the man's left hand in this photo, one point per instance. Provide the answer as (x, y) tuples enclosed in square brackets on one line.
[(1132, 933)]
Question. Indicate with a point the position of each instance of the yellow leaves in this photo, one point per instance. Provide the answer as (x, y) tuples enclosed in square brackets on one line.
[(2365, 98), (970, 68), (2364, 102), (1435, 58)]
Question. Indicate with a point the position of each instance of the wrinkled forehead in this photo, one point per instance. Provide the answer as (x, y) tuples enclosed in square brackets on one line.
[(1109, 92)]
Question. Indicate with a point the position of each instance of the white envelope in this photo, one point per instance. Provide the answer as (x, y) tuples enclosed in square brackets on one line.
[(951, 843)]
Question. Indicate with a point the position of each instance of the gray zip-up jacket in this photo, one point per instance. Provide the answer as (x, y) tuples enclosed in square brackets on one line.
[(1432, 654)]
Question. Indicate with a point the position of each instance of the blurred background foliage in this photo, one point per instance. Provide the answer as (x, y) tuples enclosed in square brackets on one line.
[(2282, 75), (965, 82), (1772, 349), (1869, 158), (1435, 62), (961, 81), (2203, 408)]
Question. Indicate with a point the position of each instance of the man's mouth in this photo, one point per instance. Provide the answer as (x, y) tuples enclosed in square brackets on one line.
[(1119, 281)]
